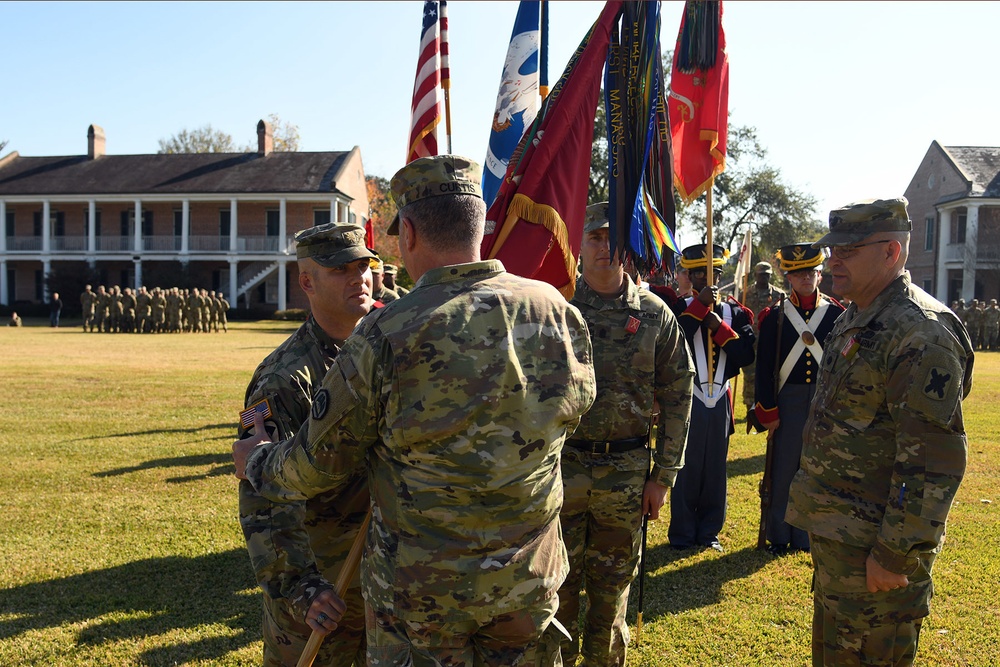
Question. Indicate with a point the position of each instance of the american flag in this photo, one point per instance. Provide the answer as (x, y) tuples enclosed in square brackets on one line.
[(427, 108)]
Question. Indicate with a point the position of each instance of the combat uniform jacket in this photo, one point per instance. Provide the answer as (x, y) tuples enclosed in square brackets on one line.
[(884, 448), (461, 396), (297, 548), (757, 300), (87, 302), (385, 295), (639, 355)]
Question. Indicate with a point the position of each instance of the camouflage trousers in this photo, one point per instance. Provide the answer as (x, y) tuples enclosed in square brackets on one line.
[(854, 627), (602, 527), (285, 637), (525, 638)]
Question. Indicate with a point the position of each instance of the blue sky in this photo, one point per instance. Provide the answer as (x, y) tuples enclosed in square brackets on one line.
[(846, 96)]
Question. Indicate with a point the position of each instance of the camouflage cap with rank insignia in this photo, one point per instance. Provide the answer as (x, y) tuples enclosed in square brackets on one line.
[(596, 217), (800, 256), (433, 177), (855, 222), (332, 244), (391, 269)]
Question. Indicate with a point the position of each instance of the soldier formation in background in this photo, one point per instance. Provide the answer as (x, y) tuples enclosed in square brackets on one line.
[(159, 310), (981, 321)]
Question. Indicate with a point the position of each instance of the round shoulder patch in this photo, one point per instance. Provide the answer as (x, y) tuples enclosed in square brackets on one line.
[(320, 404)]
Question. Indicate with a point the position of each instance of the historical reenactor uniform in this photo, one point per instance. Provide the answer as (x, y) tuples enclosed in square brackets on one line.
[(884, 447), (641, 361), (757, 299), (297, 549), (698, 499), (789, 354)]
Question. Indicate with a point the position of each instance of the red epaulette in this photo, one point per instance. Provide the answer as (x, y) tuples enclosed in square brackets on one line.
[(730, 297)]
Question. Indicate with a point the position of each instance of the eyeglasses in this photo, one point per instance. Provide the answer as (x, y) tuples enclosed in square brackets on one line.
[(848, 251), (698, 273)]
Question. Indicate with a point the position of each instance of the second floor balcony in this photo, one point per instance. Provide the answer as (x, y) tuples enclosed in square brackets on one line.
[(162, 244)]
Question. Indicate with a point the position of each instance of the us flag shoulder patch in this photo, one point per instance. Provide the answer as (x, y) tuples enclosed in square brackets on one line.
[(246, 416)]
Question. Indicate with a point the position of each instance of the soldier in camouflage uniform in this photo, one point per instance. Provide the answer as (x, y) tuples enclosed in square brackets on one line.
[(381, 293), (159, 308), (458, 400), (641, 362), (991, 322), (884, 447), (389, 276), (297, 548), (128, 311), (101, 303), (115, 310), (143, 311), (223, 309), (194, 310), (974, 323), (759, 296), (88, 304)]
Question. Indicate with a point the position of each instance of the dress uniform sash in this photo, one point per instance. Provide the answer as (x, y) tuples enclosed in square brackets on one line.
[(806, 339), (719, 383)]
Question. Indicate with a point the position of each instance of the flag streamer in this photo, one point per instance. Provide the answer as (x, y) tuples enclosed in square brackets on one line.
[(641, 199)]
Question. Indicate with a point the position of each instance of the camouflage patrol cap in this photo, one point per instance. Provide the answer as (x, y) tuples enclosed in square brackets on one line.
[(391, 269), (433, 177), (596, 218), (856, 222), (762, 267), (332, 244)]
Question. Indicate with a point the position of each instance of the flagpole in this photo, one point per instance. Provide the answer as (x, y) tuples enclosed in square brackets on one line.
[(543, 51), (446, 70), (710, 276)]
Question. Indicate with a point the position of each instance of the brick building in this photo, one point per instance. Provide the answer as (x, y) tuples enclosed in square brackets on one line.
[(954, 203), (222, 221)]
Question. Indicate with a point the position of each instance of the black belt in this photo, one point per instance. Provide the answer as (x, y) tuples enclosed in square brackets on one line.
[(608, 446)]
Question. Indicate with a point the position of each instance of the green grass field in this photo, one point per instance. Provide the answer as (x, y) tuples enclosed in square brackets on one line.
[(120, 543)]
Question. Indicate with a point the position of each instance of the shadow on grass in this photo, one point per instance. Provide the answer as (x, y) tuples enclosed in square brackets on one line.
[(223, 461), (162, 595), (229, 426), (693, 586), (751, 465)]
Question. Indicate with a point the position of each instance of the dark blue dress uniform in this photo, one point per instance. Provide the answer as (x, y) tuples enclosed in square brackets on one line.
[(698, 497), (791, 403)]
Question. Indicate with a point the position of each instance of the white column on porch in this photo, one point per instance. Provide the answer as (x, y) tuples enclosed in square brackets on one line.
[(282, 224), (138, 274), (232, 225), (969, 264), (3, 250), (137, 228), (91, 232), (46, 228), (233, 286), (185, 228), (944, 234), (46, 270), (282, 284)]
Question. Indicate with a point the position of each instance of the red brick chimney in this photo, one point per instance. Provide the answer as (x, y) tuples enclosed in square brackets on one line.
[(95, 141), (265, 138)]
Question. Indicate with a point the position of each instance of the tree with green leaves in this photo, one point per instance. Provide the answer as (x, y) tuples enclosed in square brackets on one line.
[(207, 139), (752, 194)]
